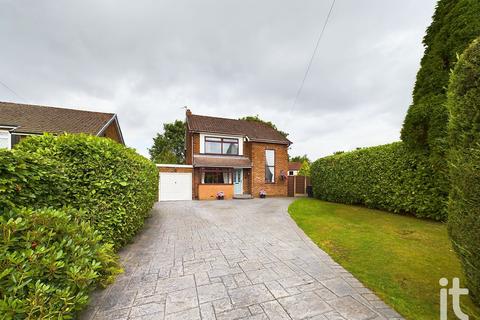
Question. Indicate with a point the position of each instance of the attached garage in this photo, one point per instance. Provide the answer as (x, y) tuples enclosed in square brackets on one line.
[(175, 182)]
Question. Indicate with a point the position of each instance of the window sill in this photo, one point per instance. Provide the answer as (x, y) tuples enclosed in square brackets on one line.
[(221, 154)]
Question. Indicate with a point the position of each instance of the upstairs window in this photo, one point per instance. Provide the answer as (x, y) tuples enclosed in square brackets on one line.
[(270, 166), (215, 145), (5, 141)]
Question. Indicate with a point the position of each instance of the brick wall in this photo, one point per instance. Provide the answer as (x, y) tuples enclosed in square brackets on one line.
[(209, 191), (196, 143), (195, 138), (188, 149), (279, 187), (173, 169), (247, 181), (197, 179)]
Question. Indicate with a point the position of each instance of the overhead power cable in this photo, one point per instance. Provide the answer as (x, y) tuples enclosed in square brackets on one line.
[(313, 55), (12, 91)]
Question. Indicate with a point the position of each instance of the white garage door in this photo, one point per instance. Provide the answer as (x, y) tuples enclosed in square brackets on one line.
[(175, 186)]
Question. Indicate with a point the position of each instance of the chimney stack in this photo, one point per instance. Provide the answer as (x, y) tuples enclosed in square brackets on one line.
[(188, 112)]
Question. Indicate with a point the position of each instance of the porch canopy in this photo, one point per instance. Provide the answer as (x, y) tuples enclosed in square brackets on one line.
[(201, 161)]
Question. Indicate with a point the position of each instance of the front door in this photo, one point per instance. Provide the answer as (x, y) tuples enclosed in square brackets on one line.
[(238, 181)]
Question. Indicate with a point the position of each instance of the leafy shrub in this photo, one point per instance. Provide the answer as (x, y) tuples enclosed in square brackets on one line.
[(49, 262), (464, 159), (27, 180), (385, 177), (114, 185)]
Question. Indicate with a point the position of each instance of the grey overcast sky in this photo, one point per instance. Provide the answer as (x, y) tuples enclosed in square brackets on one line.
[(144, 60)]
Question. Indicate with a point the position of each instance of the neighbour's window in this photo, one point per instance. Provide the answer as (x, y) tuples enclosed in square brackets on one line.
[(290, 173), (270, 166), (221, 145), (216, 176), (5, 139)]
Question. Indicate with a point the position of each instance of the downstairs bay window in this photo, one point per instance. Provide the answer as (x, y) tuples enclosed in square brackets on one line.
[(216, 176)]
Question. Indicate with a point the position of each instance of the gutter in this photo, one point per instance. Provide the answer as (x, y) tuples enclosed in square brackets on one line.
[(287, 142), (161, 165), (10, 129)]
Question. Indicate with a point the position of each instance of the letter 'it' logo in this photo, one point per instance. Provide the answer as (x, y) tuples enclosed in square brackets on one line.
[(455, 292)]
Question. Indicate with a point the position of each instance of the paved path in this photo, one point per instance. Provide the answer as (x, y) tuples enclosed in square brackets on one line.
[(239, 259)]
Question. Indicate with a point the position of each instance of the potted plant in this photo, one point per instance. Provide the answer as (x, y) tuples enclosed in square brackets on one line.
[(263, 193), (220, 195), (283, 175)]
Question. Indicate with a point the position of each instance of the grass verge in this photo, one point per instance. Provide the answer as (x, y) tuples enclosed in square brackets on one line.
[(400, 258)]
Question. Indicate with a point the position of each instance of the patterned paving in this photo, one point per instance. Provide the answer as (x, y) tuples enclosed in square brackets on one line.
[(239, 259)]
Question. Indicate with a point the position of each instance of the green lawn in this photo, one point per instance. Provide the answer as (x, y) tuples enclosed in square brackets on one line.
[(398, 257)]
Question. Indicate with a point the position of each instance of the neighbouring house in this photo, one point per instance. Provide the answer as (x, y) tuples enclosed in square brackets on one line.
[(18, 121), (294, 168), (236, 157)]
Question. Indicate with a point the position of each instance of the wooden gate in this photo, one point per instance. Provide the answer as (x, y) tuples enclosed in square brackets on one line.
[(297, 185)]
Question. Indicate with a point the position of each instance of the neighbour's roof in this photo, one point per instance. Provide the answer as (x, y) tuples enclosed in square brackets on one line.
[(255, 131), (294, 166), (40, 119), (221, 161)]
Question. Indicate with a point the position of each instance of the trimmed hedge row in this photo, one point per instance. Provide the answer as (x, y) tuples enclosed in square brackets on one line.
[(50, 258), (464, 160), (387, 177), (114, 185), (27, 180), (50, 261)]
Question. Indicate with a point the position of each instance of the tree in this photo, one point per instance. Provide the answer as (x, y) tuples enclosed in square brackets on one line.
[(305, 169), (455, 24), (169, 147), (269, 123), (464, 159), (300, 159)]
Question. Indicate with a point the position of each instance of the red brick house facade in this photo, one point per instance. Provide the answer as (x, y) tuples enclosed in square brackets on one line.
[(237, 157)]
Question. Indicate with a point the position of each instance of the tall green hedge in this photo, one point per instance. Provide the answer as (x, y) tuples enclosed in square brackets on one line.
[(113, 184), (385, 177), (455, 24), (31, 181), (49, 262), (464, 159)]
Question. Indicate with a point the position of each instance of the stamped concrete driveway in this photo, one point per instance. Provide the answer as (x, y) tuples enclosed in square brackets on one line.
[(239, 259)]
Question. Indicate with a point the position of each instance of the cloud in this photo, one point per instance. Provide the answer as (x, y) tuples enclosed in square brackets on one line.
[(146, 59)]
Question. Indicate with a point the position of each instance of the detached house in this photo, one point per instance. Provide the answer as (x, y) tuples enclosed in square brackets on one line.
[(237, 157), (18, 121)]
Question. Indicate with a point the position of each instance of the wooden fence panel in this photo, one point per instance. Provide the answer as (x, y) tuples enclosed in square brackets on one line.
[(291, 186)]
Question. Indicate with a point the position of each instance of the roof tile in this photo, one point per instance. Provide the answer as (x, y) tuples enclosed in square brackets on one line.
[(255, 131), (41, 119)]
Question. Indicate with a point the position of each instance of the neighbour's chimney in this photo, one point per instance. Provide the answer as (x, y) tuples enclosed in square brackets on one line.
[(188, 112)]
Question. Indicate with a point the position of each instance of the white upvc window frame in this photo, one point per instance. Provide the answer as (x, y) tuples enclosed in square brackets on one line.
[(6, 134), (270, 165), (216, 135)]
